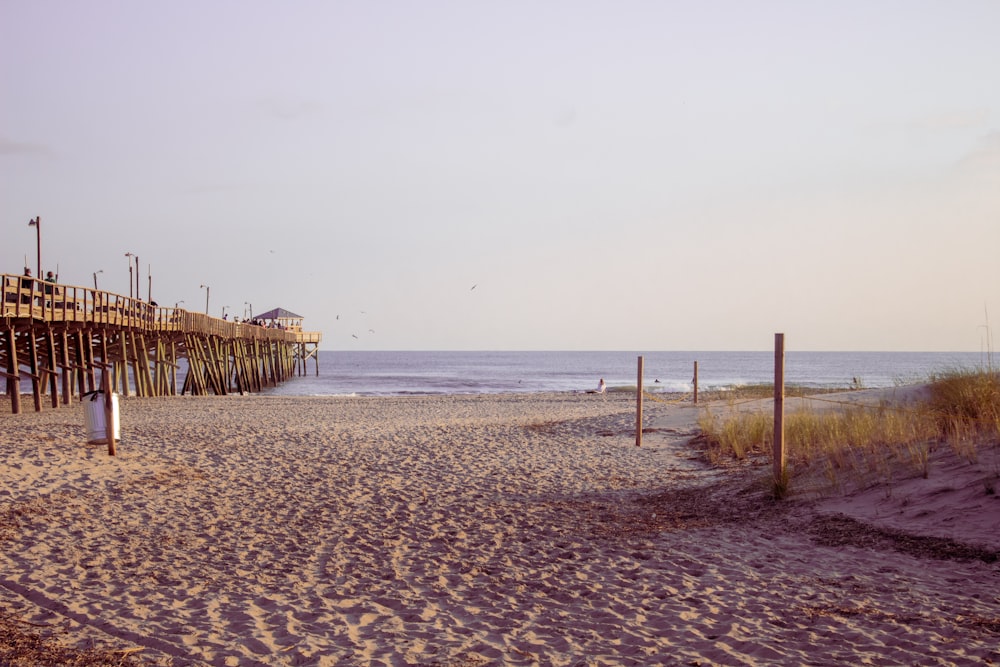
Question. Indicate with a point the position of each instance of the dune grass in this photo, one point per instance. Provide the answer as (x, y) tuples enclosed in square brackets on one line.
[(962, 411)]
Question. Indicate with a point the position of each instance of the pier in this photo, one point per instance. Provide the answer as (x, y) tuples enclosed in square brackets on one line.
[(60, 337)]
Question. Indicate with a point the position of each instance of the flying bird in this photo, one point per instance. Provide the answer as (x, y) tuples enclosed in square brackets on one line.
[(353, 336), (474, 287)]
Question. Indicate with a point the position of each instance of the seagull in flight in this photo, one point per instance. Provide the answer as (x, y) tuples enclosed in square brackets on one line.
[(474, 287)]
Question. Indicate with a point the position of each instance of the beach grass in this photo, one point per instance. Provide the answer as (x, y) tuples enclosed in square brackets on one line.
[(760, 390), (961, 411)]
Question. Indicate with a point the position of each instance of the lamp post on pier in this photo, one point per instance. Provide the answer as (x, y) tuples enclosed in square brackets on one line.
[(95, 277), (138, 294), (208, 290), (247, 303), (130, 256), (37, 224)]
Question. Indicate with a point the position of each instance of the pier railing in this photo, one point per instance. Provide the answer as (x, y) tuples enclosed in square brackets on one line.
[(25, 297)]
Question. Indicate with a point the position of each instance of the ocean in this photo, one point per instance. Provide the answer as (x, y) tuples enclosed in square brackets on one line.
[(406, 373)]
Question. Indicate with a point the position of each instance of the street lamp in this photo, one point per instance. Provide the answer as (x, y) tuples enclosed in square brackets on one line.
[(95, 277), (224, 309), (178, 304), (138, 295), (247, 303), (130, 256), (37, 224), (208, 290)]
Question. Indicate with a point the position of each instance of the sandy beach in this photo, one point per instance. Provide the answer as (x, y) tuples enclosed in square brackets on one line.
[(475, 530)]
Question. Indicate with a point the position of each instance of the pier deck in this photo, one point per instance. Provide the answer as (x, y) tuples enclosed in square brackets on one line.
[(60, 336)]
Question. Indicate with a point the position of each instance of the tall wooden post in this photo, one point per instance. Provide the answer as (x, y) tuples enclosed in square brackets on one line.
[(53, 363), (638, 406), (173, 366), (109, 411), (67, 371), (123, 365), (81, 362), (779, 411), (695, 382), (36, 373)]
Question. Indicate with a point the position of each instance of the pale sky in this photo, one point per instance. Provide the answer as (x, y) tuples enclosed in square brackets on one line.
[(617, 175)]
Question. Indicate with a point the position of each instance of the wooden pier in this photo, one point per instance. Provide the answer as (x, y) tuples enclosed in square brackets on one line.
[(62, 336)]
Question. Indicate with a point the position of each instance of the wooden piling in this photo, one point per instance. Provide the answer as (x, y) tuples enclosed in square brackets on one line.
[(36, 390), (52, 363)]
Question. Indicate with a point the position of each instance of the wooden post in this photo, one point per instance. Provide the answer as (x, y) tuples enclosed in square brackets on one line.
[(123, 366), (228, 357), (81, 363), (779, 411), (695, 381), (67, 371), (638, 407), (36, 373), (53, 362), (105, 360), (173, 373), (109, 411), (142, 364)]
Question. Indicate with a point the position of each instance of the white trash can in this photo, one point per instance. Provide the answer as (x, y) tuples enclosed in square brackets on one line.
[(93, 414)]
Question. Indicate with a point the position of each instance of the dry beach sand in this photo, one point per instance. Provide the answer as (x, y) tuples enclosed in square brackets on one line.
[(474, 530)]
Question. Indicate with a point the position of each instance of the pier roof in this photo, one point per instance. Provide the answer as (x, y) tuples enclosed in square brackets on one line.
[(279, 314)]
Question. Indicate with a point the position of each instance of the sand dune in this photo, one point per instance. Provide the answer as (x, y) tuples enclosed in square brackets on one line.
[(473, 530)]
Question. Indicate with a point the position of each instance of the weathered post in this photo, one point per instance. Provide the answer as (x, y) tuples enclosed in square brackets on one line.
[(779, 414), (109, 413), (638, 407), (695, 381)]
